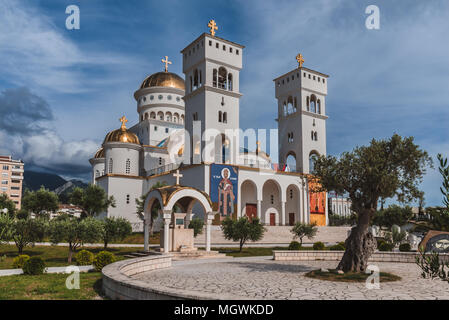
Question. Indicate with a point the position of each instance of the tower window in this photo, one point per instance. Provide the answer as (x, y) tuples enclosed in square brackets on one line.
[(224, 48), (110, 165), (220, 116), (225, 117), (210, 43), (217, 45), (323, 81), (237, 51), (230, 49)]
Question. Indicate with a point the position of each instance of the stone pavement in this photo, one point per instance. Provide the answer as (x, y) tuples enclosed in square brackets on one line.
[(264, 278)]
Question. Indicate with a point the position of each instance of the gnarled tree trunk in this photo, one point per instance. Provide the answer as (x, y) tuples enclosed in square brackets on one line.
[(360, 245)]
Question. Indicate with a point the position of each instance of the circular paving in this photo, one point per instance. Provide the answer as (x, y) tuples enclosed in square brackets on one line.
[(264, 278)]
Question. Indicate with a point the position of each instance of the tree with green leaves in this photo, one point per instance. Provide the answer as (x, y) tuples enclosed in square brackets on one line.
[(6, 203), (140, 203), (41, 202), (93, 200), (5, 228), (115, 229), (393, 215), (242, 230), (75, 232), (197, 225), (25, 232), (387, 168), (301, 230)]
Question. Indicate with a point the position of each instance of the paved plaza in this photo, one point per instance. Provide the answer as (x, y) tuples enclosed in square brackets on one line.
[(264, 278)]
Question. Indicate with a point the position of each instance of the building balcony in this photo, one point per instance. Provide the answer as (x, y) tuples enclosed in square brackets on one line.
[(17, 170), (16, 177)]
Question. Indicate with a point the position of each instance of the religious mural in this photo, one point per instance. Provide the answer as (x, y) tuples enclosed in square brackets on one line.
[(317, 204), (223, 189)]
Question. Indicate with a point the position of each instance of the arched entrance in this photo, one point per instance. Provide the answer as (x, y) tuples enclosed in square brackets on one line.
[(248, 192), (177, 199), (292, 205), (271, 202)]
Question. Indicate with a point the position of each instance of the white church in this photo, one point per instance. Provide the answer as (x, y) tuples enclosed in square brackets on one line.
[(188, 138)]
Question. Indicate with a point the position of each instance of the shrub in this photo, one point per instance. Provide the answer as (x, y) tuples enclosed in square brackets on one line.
[(19, 261), (405, 247), (338, 247), (385, 246), (294, 245), (102, 259), (84, 258), (342, 243), (319, 246), (34, 265), (197, 225)]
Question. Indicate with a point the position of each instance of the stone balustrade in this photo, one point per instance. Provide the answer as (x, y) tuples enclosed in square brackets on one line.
[(325, 255)]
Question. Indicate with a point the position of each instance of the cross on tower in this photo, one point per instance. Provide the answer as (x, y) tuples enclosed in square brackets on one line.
[(177, 175), (166, 63), (123, 120), (300, 60), (213, 26)]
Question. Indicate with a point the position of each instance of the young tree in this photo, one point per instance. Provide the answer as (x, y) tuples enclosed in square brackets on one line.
[(26, 232), (301, 230), (93, 200), (75, 232), (41, 202), (5, 228), (140, 202), (197, 225), (115, 229), (385, 169), (242, 230), (6, 203)]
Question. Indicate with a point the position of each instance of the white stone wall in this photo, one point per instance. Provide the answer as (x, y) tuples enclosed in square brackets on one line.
[(120, 153)]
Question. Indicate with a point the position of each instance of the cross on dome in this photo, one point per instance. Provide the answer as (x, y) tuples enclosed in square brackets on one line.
[(213, 26), (166, 63), (123, 120), (177, 175), (300, 60)]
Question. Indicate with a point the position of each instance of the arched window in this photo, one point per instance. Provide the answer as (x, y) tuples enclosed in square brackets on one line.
[(295, 105), (141, 118), (230, 82), (160, 115), (128, 166), (97, 173), (313, 103), (312, 158), (182, 118), (285, 109), (201, 79), (290, 105), (315, 135), (220, 117), (318, 106), (214, 78), (110, 165), (153, 115), (191, 84), (225, 117), (146, 115), (308, 103), (195, 79), (222, 78), (176, 117), (168, 116), (311, 135)]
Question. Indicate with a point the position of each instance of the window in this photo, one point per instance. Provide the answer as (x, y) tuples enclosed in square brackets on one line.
[(4, 181), (178, 99), (160, 97), (128, 166), (304, 74), (291, 193), (127, 199), (97, 173), (160, 161), (220, 116), (210, 43), (224, 48), (169, 97), (323, 81), (216, 45), (313, 77), (237, 51), (272, 199), (5, 167), (151, 97), (110, 165), (155, 128), (225, 117), (166, 130), (230, 49)]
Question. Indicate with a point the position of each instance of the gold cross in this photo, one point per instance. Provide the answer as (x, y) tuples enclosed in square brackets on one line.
[(123, 120), (166, 63), (213, 26), (300, 59), (258, 146)]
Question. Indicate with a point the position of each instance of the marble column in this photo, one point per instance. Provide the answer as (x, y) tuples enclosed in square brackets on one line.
[(146, 234), (259, 210), (167, 220), (283, 213), (209, 218)]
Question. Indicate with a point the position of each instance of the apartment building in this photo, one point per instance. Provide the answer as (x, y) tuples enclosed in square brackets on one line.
[(11, 176)]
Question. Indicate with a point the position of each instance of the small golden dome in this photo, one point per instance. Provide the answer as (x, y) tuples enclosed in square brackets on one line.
[(99, 154), (164, 79), (122, 134)]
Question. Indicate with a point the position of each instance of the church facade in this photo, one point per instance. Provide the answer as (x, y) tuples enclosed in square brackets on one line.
[(188, 135)]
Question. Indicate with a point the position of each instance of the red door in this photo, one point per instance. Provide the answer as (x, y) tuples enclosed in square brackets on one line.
[(291, 218), (251, 211), (272, 219)]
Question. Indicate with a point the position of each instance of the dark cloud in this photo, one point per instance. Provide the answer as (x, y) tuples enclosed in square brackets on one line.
[(23, 112)]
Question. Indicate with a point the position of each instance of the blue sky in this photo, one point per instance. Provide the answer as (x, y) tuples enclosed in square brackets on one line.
[(65, 89)]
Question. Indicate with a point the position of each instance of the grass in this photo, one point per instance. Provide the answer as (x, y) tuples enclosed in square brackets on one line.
[(332, 275), (254, 251), (54, 256), (49, 287), (137, 238)]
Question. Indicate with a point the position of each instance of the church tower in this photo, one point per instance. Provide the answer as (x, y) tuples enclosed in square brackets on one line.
[(301, 95), (211, 66)]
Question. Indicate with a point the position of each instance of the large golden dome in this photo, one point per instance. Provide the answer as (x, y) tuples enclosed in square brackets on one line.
[(122, 134), (164, 79)]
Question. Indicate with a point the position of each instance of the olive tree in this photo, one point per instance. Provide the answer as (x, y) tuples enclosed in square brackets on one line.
[(40, 202), (115, 229), (8, 204), (75, 232), (301, 230), (93, 200), (25, 232), (389, 168), (242, 230)]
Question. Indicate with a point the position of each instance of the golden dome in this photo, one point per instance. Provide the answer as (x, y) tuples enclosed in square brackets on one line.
[(99, 154), (122, 134), (164, 79)]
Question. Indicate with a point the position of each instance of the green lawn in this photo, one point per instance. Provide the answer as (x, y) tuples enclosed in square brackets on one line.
[(49, 287), (254, 251), (54, 256)]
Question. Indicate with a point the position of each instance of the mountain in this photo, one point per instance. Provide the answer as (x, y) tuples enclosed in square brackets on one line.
[(34, 180)]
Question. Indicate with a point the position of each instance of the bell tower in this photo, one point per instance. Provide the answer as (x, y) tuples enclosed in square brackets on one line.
[(211, 66), (301, 95)]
